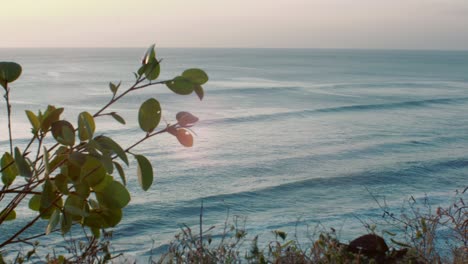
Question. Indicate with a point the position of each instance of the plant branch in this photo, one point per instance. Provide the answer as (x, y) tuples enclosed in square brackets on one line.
[(7, 99), (20, 191), (114, 99), (149, 136), (134, 87), (31, 223)]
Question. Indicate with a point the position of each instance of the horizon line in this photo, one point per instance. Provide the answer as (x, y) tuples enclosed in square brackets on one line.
[(290, 48)]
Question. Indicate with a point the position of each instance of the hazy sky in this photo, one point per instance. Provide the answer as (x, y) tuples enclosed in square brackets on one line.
[(407, 24)]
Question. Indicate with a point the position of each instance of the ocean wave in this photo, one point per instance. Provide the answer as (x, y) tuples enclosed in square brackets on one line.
[(255, 90), (405, 173), (261, 201), (240, 83), (340, 109), (389, 85)]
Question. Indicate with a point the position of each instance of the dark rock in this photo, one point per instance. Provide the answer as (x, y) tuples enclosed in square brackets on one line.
[(369, 245)]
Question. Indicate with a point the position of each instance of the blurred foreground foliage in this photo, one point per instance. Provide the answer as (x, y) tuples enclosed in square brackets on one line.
[(421, 235)]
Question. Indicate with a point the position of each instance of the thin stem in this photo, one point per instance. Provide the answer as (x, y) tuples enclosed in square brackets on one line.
[(24, 240), (29, 145), (134, 87), (6, 167), (201, 227), (21, 192), (149, 84), (31, 223), (7, 98), (15, 201), (114, 99), (6, 242), (148, 136)]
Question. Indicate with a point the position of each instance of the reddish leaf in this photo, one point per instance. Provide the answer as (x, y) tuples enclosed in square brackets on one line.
[(186, 119), (184, 137)]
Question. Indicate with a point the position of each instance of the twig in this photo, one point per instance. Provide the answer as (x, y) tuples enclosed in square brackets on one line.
[(201, 227), (7, 98)]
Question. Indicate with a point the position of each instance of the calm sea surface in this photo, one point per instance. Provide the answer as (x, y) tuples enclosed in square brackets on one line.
[(287, 138)]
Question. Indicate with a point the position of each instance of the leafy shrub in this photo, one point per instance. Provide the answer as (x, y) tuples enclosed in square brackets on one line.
[(79, 179)]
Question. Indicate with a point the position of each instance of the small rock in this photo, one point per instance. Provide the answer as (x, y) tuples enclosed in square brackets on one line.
[(369, 245)]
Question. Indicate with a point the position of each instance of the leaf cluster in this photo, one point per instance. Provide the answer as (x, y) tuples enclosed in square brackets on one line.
[(80, 179)]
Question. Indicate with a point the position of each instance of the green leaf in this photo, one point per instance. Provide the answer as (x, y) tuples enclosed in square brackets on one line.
[(72, 171), (75, 206), (35, 202), (184, 137), (112, 146), (114, 87), (199, 91), (180, 85), (121, 172), (141, 70), (65, 223), (23, 167), (61, 150), (34, 120), (149, 115), (94, 219), (82, 189), (144, 172), (118, 118), (196, 76), (9, 72), (186, 119), (10, 216), (50, 116), (57, 161), (92, 147), (103, 184), (115, 195), (96, 232), (86, 126), (10, 170), (111, 216), (103, 218), (61, 182), (150, 55), (77, 158), (48, 195), (53, 221), (63, 132), (92, 171), (106, 161), (152, 70), (49, 200)]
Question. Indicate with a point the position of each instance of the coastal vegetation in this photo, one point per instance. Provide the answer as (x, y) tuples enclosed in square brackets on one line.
[(420, 235), (71, 175)]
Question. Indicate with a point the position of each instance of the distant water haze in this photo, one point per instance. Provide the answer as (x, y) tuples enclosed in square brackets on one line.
[(397, 24), (288, 138)]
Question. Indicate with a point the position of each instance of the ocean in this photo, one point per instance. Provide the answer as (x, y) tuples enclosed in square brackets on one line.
[(288, 139)]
